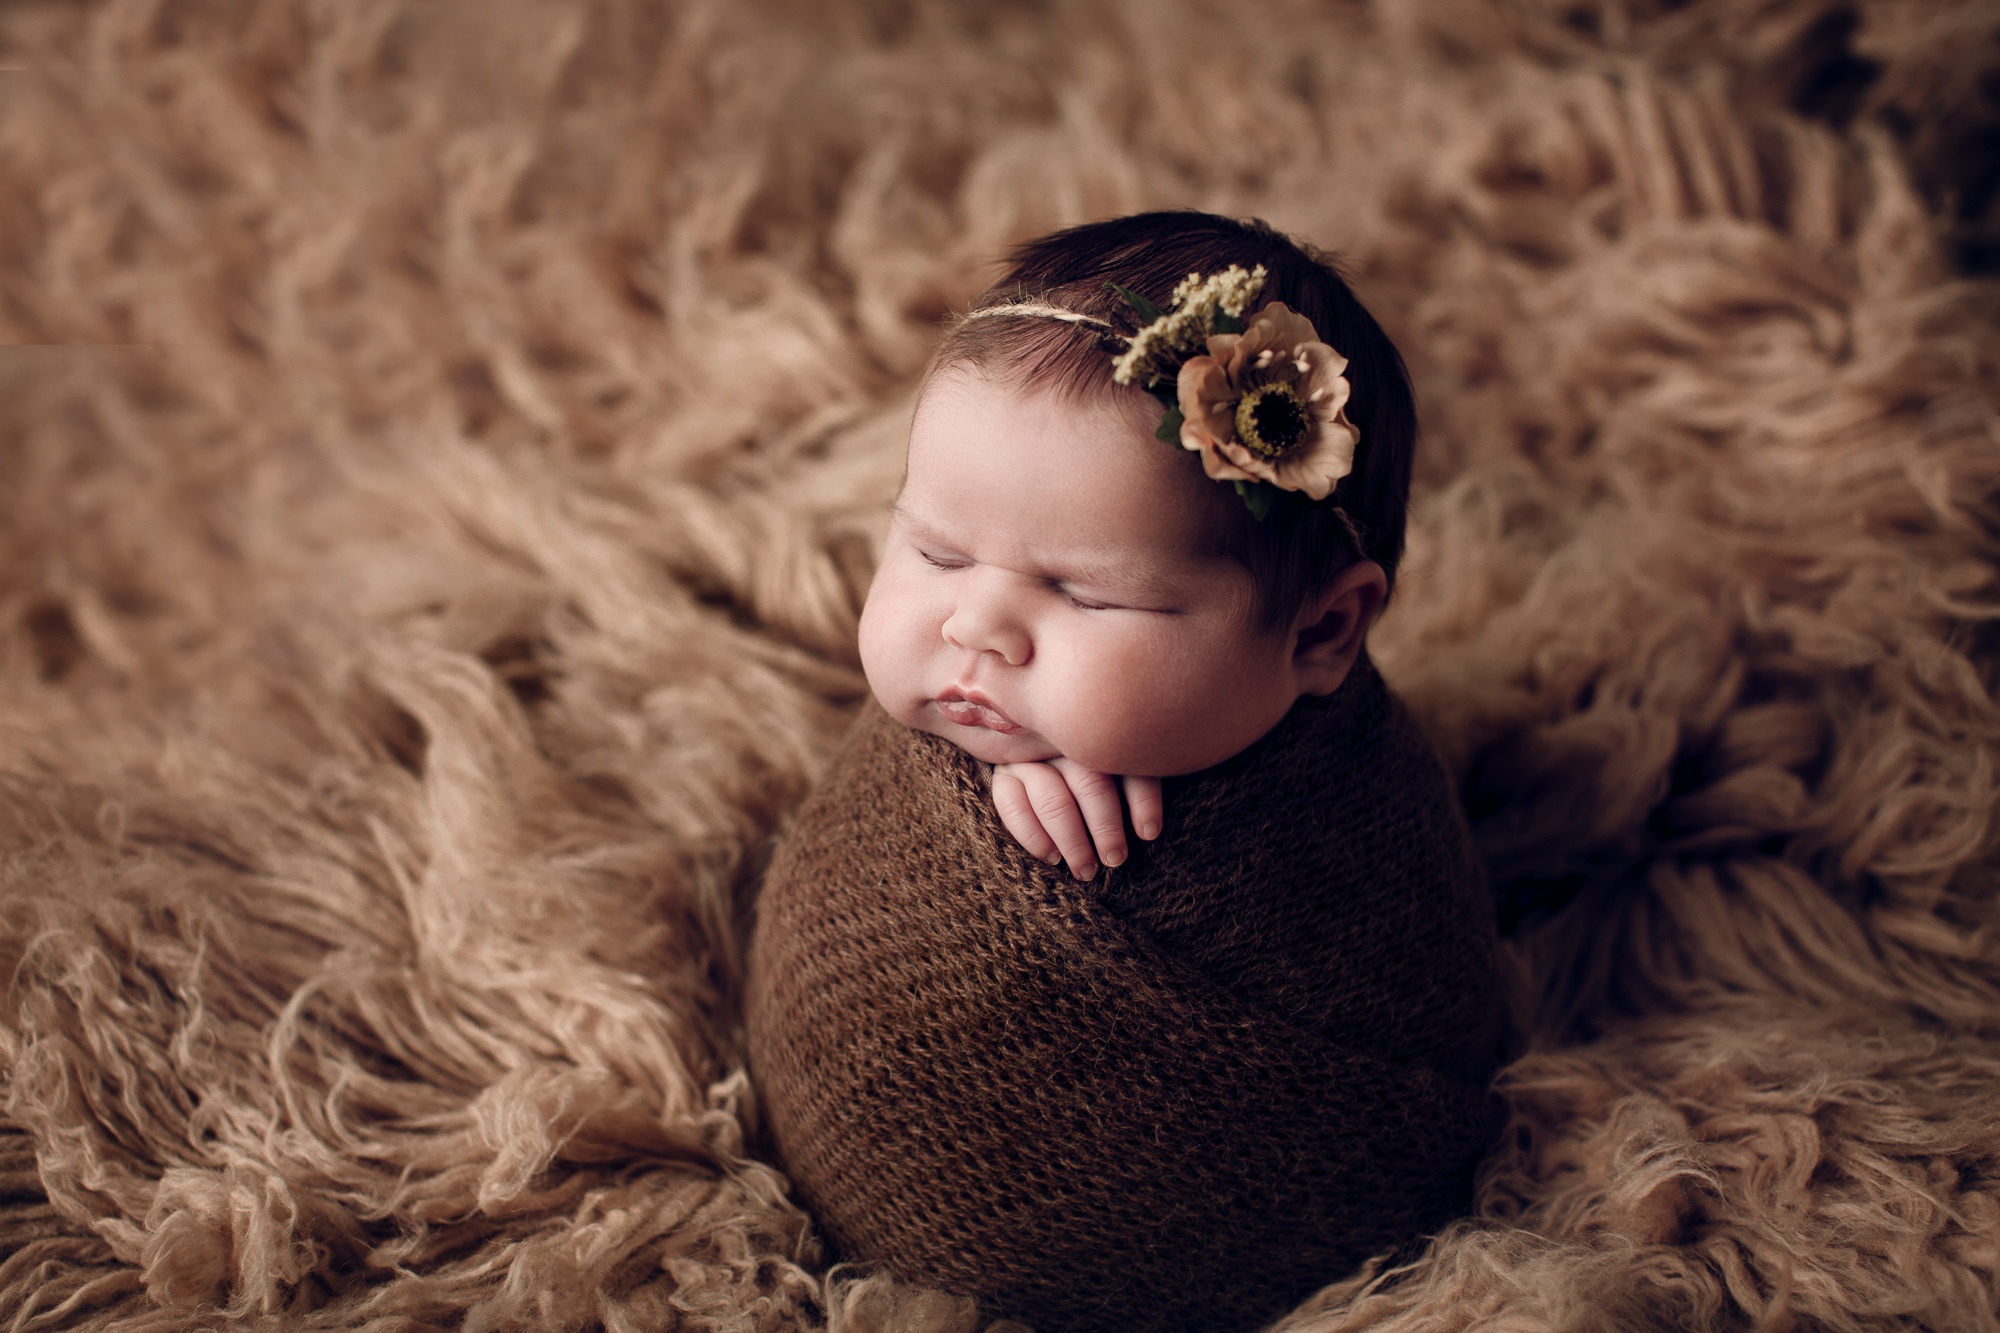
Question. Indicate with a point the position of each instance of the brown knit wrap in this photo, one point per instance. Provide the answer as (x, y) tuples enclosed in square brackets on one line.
[(1181, 1096)]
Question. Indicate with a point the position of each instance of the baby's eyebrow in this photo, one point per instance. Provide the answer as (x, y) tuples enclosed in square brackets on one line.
[(1141, 583), (916, 524), (1136, 582)]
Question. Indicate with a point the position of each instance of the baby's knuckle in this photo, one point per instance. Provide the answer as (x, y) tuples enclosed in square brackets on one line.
[(1052, 804)]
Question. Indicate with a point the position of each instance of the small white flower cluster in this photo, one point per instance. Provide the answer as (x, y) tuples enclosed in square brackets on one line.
[(1158, 349)]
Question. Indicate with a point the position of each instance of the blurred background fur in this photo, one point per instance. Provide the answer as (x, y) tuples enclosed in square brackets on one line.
[(443, 447)]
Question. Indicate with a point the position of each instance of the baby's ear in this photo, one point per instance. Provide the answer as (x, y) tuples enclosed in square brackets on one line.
[(1333, 626)]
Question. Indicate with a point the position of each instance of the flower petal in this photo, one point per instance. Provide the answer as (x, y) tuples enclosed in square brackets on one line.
[(1207, 402), (1283, 326), (1321, 460), (1325, 370), (1222, 346), (1220, 467), (1240, 464)]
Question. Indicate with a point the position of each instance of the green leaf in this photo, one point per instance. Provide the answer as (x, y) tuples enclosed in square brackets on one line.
[(1227, 323), (1169, 430), (1257, 497), (1147, 310)]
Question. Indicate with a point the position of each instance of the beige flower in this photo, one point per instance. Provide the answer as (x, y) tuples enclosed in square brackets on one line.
[(1270, 404)]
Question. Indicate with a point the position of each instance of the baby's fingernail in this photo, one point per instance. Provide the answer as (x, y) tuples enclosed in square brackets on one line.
[(1149, 830), (1053, 856), (1115, 861), (1085, 871)]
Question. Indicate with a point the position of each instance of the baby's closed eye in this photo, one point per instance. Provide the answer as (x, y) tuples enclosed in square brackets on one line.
[(1083, 603)]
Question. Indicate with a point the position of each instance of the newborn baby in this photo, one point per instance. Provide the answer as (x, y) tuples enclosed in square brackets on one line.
[(1219, 1065)]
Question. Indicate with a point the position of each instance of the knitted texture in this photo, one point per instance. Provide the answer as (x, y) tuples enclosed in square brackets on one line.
[(1185, 1094)]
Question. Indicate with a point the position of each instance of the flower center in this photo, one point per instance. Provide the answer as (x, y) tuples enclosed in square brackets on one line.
[(1271, 420)]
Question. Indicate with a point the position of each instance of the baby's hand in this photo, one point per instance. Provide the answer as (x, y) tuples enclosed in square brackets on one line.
[(1060, 810)]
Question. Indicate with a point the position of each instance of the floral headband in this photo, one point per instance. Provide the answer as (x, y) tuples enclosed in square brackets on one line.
[(1263, 403)]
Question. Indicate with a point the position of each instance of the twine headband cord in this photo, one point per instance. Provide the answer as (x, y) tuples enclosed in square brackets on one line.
[(1042, 310)]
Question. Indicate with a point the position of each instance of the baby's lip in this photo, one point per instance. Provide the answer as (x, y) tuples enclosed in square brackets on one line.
[(970, 708)]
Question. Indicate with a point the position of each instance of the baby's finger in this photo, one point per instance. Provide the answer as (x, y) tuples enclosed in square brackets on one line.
[(1149, 809), (1017, 815), (1103, 811), (1056, 808)]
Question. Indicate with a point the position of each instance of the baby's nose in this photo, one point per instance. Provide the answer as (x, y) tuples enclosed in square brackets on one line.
[(984, 621)]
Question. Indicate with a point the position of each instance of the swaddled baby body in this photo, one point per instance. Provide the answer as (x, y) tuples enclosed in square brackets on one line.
[(1184, 1090)]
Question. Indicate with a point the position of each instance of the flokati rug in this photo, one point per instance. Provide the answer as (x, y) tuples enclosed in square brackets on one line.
[(442, 451)]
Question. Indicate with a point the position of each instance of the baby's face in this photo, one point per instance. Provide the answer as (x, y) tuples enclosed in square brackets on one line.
[(1045, 591)]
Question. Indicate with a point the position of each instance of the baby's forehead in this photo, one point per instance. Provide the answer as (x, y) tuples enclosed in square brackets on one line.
[(1025, 380), (1027, 484), (945, 516)]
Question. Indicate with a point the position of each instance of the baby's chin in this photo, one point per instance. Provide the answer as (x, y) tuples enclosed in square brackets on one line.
[(989, 746), (985, 744), (1025, 747)]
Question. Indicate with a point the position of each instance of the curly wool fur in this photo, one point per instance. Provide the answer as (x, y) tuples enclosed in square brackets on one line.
[(437, 584)]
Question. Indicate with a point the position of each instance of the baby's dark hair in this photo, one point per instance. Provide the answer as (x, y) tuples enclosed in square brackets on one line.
[(1299, 547)]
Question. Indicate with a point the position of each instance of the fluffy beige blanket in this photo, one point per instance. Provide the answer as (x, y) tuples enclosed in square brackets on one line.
[(432, 528)]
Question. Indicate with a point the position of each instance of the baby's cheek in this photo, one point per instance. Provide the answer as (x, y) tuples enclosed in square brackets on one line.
[(881, 653), (1159, 707), (1117, 705), (886, 646)]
